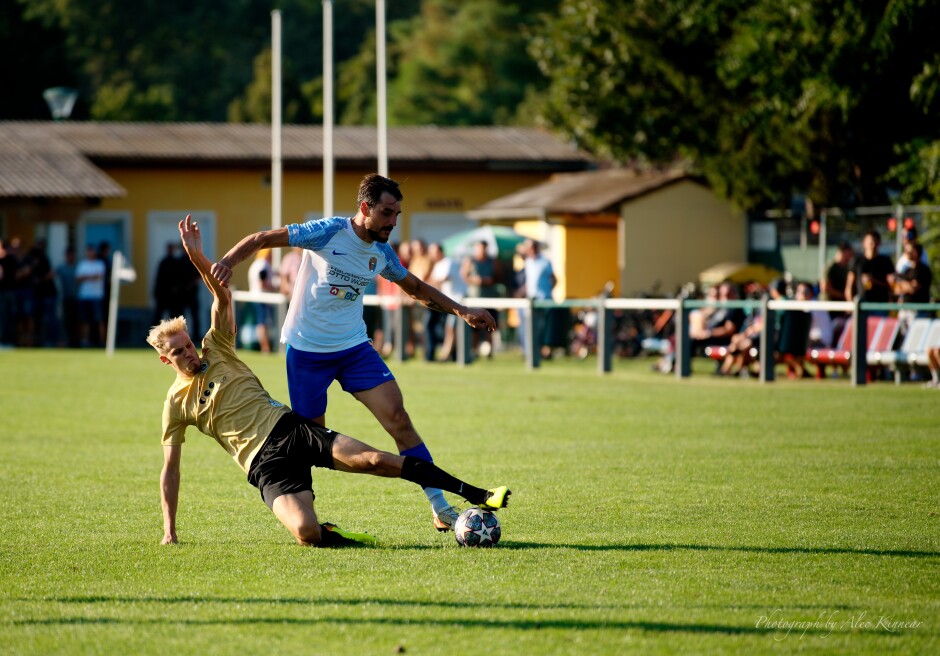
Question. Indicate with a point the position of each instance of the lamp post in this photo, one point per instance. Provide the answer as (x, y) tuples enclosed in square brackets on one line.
[(61, 100)]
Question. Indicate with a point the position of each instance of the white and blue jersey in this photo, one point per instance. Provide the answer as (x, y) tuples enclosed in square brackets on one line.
[(325, 313)]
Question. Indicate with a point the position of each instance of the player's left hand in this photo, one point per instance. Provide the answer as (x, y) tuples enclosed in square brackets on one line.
[(479, 318), (189, 233)]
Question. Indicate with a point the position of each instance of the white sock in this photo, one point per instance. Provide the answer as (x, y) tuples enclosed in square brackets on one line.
[(935, 374), (436, 497)]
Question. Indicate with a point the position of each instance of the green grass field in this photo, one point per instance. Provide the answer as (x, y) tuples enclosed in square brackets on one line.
[(648, 515)]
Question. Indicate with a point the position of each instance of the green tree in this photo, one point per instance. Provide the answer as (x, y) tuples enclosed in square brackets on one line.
[(765, 98), (254, 106), (456, 63), (34, 59)]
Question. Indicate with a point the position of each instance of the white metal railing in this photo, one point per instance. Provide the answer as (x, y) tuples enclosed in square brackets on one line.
[(531, 315)]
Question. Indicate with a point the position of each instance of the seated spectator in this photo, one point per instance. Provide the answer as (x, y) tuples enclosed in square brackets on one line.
[(738, 358), (723, 323), (794, 334), (699, 318), (933, 362), (821, 332)]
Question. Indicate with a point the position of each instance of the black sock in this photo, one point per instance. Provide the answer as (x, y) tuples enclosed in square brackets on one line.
[(428, 474)]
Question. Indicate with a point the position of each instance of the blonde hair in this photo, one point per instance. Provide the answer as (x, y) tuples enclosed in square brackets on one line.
[(162, 332)]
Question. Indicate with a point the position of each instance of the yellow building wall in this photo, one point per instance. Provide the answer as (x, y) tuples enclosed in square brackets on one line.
[(673, 234), (590, 260), (241, 201)]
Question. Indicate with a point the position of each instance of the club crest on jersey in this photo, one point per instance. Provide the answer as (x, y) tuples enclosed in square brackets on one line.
[(372, 263), (339, 292)]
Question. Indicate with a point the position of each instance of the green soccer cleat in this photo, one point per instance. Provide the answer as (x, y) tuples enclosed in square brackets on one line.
[(342, 538), (496, 498), (444, 520)]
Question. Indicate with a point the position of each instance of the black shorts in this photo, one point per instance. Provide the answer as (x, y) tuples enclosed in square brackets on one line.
[(283, 464)]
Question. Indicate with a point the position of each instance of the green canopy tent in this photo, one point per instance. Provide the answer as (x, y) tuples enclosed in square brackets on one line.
[(500, 241)]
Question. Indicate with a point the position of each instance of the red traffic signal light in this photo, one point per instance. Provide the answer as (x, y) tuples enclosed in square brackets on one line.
[(892, 224)]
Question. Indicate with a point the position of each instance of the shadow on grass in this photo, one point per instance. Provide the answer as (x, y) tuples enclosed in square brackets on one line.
[(460, 605), (900, 553), (521, 624)]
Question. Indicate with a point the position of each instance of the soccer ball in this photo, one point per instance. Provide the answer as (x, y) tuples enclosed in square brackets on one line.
[(477, 528)]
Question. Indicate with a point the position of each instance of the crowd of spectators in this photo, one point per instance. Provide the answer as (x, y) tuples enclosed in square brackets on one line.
[(63, 306), (732, 336), (66, 306)]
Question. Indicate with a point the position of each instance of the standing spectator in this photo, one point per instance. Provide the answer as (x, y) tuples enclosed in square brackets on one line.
[(45, 320), (68, 288), (434, 321), (261, 279), (904, 262), (420, 266), (9, 316), (913, 284), (871, 275), (167, 287), (91, 273), (539, 281), (446, 276), (832, 287), (481, 272), (22, 283), (104, 254)]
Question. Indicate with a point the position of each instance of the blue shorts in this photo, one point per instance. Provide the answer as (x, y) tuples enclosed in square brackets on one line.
[(309, 375)]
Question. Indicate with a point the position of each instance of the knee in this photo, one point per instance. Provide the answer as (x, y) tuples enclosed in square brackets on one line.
[(307, 534)]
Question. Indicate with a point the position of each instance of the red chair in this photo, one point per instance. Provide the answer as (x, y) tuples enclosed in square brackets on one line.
[(841, 355)]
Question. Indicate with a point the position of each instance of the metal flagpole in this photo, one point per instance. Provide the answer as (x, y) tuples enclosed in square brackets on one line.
[(381, 102), (328, 108), (276, 165)]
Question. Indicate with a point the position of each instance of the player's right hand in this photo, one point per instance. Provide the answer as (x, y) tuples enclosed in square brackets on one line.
[(221, 272), (169, 538)]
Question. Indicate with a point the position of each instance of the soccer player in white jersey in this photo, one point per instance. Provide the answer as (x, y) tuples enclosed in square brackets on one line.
[(325, 335)]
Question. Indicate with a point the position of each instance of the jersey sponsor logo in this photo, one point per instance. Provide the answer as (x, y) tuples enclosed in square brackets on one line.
[(339, 275), (339, 292), (372, 262), (276, 404)]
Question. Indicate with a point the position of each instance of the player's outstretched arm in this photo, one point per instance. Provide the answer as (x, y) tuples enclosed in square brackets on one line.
[(170, 490), (222, 314), (222, 270), (436, 300)]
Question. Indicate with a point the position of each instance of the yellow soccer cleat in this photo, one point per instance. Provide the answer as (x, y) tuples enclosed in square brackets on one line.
[(496, 498)]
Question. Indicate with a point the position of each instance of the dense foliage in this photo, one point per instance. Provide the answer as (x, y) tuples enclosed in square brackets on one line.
[(765, 97), (838, 100)]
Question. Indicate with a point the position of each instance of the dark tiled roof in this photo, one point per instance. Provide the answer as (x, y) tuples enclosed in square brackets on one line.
[(58, 159), (578, 193), (492, 148), (34, 163)]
